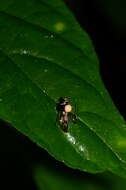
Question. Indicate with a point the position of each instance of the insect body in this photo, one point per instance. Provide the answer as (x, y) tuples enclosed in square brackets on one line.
[(64, 113)]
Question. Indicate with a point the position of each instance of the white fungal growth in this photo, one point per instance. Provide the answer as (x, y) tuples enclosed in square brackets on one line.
[(71, 138), (81, 148), (68, 108)]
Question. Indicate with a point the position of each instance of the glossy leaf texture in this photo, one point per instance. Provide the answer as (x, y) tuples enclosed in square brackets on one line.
[(44, 55)]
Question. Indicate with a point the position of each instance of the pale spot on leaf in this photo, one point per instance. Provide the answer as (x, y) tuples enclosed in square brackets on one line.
[(122, 143), (59, 27), (45, 70)]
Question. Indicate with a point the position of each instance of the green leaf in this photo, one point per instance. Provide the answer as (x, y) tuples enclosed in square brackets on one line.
[(46, 55), (50, 178), (46, 176)]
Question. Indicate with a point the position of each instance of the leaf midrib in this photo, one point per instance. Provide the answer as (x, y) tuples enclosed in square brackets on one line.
[(59, 65)]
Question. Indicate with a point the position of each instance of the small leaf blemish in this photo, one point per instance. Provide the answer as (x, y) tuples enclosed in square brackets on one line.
[(59, 26), (45, 70), (122, 143)]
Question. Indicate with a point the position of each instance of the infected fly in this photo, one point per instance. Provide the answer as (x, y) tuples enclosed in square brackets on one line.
[(65, 114)]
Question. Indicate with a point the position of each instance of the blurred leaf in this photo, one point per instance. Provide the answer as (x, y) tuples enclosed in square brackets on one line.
[(48, 177), (51, 179), (45, 55)]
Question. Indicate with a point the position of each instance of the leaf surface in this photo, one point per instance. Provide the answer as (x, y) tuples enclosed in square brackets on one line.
[(44, 55)]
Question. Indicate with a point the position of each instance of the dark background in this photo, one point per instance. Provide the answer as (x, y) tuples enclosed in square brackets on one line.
[(17, 153)]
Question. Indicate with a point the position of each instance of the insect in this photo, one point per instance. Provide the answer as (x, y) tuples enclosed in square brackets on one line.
[(65, 114)]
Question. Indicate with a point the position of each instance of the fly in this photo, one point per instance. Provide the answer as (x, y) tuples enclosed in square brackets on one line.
[(64, 109)]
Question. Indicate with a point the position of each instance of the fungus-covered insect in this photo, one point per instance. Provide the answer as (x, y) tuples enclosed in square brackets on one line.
[(65, 114)]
